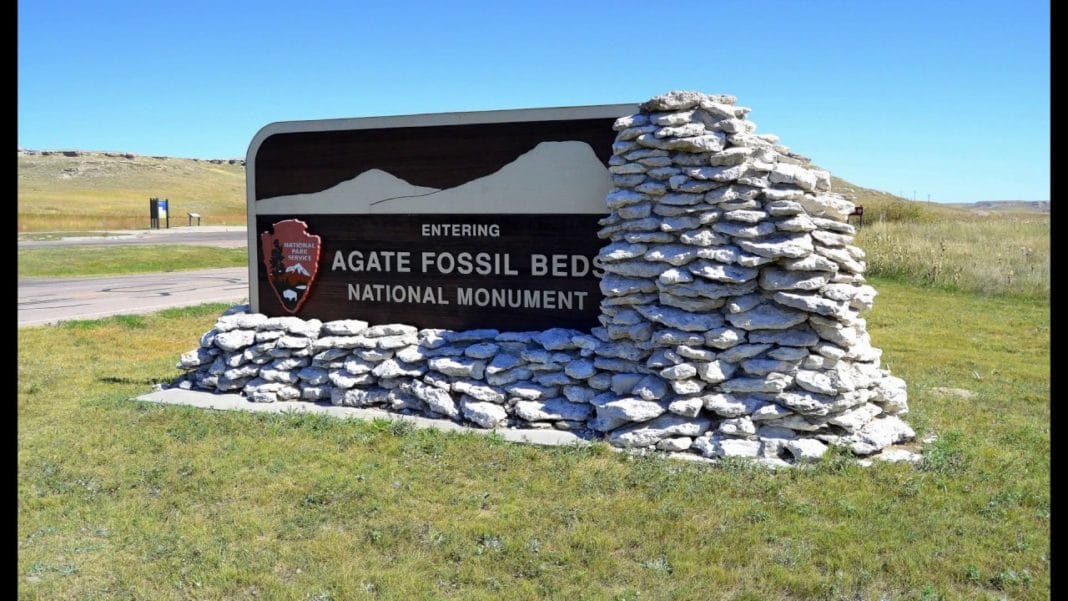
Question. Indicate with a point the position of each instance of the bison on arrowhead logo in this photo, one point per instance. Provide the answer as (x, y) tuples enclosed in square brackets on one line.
[(291, 256)]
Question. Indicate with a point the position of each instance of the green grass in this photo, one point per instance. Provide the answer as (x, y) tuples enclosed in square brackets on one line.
[(998, 255), (98, 192), (73, 261), (121, 500)]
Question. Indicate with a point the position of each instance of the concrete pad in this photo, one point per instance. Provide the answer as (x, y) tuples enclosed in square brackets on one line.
[(236, 402)]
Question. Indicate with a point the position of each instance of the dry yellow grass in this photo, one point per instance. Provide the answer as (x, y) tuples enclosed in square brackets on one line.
[(94, 191), (996, 255)]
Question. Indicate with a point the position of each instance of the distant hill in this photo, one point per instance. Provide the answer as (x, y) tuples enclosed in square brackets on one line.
[(1021, 206), (79, 190)]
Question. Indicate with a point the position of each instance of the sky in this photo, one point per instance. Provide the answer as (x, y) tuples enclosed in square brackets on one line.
[(946, 100)]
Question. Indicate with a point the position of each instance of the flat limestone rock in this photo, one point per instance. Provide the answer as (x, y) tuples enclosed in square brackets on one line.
[(806, 450), (719, 445), (626, 410), (792, 246), (727, 405), (779, 279), (880, 433), (680, 319), (552, 410), (766, 317), (651, 432)]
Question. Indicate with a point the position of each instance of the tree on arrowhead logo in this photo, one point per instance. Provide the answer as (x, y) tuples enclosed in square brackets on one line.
[(291, 256)]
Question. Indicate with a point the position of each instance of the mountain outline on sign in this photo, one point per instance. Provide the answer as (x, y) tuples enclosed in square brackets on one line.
[(552, 177), (297, 268)]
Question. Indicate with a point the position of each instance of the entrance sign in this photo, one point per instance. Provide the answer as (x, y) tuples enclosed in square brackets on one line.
[(453, 220)]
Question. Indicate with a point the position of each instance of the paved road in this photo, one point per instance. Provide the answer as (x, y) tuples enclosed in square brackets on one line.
[(47, 300), (209, 235)]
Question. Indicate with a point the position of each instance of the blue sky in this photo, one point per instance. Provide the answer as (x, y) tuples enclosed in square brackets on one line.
[(947, 99)]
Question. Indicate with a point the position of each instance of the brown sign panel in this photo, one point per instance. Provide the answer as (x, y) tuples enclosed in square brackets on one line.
[(459, 272), (457, 221)]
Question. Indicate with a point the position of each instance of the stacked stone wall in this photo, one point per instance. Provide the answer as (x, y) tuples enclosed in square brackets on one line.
[(731, 319)]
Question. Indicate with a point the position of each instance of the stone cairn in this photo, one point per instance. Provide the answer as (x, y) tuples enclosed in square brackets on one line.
[(730, 321)]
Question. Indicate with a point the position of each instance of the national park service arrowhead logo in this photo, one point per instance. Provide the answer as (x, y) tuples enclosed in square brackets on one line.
[(291, 256)]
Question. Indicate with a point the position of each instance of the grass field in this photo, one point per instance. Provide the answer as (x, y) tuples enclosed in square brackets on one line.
[(1001, 255), (120, 500), (73, 261), (98, 192)]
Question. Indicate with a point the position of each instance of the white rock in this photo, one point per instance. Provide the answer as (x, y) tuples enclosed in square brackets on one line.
[(784, 208), (770, 411), (240, 321), (636, 120), (831, 206), (898, 455), (679, 372), (675, 254), (773, 382), (649, 433), (478, 391), (618, 251), (714, 372), (390, 329), (458, 366), (235, 339), (487, 415), (675, 443), (806, 450), (785, 173), (811, 262), (687, 387), (841, 256), (552, 410), (391, 368), (762, 367), (766, 317), (722, 273), (835, 226), (628, 409), (779, 245), (344, 327), (681, 320), (739, 230), (855, 419), (727, 405), (719, 446), (680, 131), (737, 426), (808, 403), (723, 338), (778, 279), (438, 400), (788, 353), (831, 238), (634, 269), (891, 395), (815, 381), (621, 198), (730, 156), (702, 237), (650, 388), (880, 433), (688, 407), (739, 352), (674, 276)]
